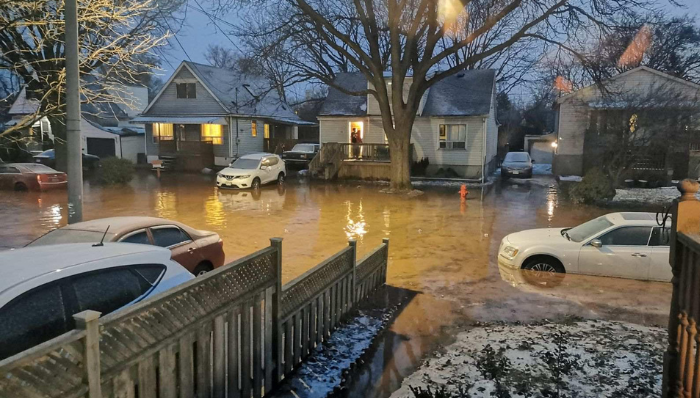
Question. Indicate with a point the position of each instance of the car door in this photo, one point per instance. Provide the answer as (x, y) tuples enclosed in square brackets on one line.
[(624, 253), (660, 268), (184, 249), (8, 175)]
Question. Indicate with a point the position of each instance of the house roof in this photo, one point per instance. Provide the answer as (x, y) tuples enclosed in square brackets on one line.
[(466, 93), (22, 105)]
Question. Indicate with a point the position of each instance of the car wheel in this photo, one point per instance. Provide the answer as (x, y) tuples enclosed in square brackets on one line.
[(504, 175), (202, 269), (280, 178), (256, 184), (20, 187), (543, 272)]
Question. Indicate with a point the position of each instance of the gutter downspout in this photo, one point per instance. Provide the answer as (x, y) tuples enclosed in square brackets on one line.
[(483, 151)]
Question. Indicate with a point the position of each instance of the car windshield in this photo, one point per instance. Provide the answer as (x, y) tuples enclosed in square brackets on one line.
[(516, 157), (304, 148), (62, 236), (47, 153), (588, 229), (246, 163), (41, 169)]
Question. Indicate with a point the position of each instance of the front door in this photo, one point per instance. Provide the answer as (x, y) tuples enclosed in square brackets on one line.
[(624, 253)]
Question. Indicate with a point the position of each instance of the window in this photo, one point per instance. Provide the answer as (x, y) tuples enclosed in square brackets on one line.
[(266, 131), (212, 133), (162, 132), (140, 237), (254, 128), (8, 170), (186, 90), (270, 161), (31, 319), (627, 236), (660, 237), (169, 236), (108, 290), (151, 273), (453, 136)]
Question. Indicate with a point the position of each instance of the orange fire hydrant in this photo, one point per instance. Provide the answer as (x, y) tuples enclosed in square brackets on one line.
[(463, 192)]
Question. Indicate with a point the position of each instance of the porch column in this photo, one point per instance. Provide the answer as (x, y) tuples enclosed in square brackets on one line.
[(295, 132)]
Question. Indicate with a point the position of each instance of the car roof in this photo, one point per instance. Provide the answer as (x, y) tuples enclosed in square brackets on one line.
[(22, 265), (120, 224), (632, 218), (257, 156)]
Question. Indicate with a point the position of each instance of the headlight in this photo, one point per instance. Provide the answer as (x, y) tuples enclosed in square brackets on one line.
[(510, 252), (243, 176)]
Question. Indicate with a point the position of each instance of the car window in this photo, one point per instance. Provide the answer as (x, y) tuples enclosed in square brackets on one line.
[(272, 161), (151, 273), (660, 236), (517, 157), (169, 236), (140, 237), (31, 319), (245, 163), (588, 229), (627, 236), (9, 170), (108, 290), (309, 148)]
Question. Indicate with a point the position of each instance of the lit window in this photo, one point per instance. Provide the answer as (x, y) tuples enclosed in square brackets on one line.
[(162, 132), (254, 128), (266, 131), (212, 133), (357, 131), (453, 136)]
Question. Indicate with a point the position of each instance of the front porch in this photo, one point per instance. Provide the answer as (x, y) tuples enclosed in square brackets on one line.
[(370, 161)]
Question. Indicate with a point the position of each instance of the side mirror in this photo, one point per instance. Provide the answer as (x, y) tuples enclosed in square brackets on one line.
[(533, 161), (596, 243)]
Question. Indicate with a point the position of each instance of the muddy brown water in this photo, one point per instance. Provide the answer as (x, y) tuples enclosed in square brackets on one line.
[(441, 250)]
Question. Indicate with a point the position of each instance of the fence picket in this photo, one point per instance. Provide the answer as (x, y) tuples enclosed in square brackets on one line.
[(219, 354), (233, 353), (257, 346), (246, 350), (186, 370), (167, 381)]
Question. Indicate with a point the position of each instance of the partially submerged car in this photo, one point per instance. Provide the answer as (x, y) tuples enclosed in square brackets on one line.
[(48, 158), (198, 251), (28, 176), (301, 154), (252, 171), (43, 287), (517, 164)]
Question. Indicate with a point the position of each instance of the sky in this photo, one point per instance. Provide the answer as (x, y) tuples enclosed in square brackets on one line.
[(198, 31)]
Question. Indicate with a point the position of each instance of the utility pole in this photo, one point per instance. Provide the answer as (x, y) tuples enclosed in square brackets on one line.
[(73, 139)]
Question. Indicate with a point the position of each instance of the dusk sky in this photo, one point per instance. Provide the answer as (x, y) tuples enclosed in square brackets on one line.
[(198, 32)]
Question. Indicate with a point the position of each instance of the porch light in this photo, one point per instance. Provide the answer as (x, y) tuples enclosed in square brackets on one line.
[(555, 145)]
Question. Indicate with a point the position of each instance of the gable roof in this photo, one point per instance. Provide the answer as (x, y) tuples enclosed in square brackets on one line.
[(22, 105), (238, 94), (466, 93)]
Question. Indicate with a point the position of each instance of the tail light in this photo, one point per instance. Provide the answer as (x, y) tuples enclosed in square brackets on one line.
[(38, 178)]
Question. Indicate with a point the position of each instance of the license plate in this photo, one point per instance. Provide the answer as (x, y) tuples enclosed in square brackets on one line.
[(516, 172)]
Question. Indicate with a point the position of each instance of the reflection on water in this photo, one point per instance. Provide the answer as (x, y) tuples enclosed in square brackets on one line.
[(356, 227)]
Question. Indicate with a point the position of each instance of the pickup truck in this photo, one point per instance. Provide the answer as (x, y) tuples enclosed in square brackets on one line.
[(301, 154)]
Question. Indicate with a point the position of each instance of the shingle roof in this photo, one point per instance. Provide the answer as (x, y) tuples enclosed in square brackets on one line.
[(255, 97), (466, 93)]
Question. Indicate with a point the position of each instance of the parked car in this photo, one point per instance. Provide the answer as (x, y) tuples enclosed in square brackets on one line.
[(626, 245), (43, 287), (301, 154), (198, 251), (48, 158), (27, 176), (251, 171), (517, 164)]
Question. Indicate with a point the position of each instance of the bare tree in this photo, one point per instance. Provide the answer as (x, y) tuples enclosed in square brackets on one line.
[(116, 38), (221, 57)]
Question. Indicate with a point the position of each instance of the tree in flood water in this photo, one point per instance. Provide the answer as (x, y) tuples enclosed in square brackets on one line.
[(116, 38)]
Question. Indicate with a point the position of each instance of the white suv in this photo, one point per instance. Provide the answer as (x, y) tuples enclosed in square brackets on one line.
[(626, 245), (251, 171)]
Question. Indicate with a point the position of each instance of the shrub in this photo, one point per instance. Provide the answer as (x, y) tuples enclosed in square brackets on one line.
[(418, 168), (595, 186), (115, 171)]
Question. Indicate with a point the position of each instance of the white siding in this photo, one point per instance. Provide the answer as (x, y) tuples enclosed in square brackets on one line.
[(169, 104), (131, 146), (426, 141), (247, 143)]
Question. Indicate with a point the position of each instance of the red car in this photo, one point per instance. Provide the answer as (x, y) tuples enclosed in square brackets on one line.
[(27, 176), (198, 251)]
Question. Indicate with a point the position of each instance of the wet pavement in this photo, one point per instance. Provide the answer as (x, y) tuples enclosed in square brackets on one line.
[(442, 252)]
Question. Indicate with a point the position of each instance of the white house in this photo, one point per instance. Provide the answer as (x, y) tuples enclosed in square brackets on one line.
[(455, 128)]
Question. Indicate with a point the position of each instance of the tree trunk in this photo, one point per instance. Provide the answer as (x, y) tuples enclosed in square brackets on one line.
[(400, 147), (58, 129)]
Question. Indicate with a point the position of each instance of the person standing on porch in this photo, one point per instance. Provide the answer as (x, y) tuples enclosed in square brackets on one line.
[(354, 137)]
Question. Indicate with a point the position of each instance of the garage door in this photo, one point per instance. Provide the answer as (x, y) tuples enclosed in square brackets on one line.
[(102, 148)]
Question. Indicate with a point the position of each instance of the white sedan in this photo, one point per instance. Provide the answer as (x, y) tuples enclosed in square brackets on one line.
[(626, 245)]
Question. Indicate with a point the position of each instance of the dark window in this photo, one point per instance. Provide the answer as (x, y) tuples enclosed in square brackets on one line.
[(166, 237), (138, 238), (150, 273), (9, 170), (660, 237), (32, 319), (186, 90), (627, 236), (108, 290)]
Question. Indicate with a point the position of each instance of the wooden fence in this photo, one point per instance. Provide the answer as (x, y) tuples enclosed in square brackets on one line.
[(234, 332), (681, 375)]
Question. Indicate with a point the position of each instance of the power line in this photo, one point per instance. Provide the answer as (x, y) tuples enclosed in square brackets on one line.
[(174, 35)]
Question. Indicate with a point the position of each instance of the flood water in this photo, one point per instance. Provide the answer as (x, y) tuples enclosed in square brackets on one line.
[(441, 251)]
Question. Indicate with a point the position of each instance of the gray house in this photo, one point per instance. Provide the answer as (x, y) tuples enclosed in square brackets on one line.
[(206, 116), (455, 127)]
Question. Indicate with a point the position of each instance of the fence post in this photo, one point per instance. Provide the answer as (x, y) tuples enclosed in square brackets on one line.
[(277, 331), (386, 263), (89, 321), (353, 285), (685, 217)]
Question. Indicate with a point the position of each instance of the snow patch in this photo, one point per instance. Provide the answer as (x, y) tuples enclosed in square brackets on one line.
[(571, 178), (542, 169), (610, 359), (662, 195)]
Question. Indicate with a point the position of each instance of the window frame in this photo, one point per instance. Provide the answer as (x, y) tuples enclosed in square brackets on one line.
[(172, 246), (190, 90), (449, 144), (600, 235), (156, 130), (136, 232), (661, 229), (253, 128), (17, 171), (214, 140), (266, 131)]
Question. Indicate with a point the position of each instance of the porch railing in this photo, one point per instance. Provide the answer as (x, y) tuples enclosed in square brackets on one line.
[(234, 332), (681, 376), (366, 152)]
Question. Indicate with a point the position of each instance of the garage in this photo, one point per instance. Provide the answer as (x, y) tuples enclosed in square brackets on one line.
[(101, 147)]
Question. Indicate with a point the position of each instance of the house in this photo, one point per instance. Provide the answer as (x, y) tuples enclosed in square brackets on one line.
[(104, 127), (591, 120), (206, 116), (455, 128)]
